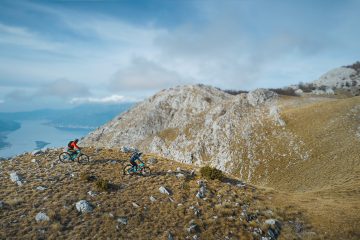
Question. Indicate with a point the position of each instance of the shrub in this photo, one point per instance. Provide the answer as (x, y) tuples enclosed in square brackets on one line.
[(235, 92), (355, 66), (211, 173), (103, 185), (306, 87), (322, 87), (87, 177), (285, 91)]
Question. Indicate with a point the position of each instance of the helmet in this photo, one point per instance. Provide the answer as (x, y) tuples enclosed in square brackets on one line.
[(76, 140)]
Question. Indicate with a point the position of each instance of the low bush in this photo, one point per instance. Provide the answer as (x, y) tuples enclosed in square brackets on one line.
[(284, 91), (307, 87), (87, 177), (235, 92), (211, 173), (103, 185)]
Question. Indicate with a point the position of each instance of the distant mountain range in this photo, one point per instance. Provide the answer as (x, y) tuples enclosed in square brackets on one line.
[(84, 116)]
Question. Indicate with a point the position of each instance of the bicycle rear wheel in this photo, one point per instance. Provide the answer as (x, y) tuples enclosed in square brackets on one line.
[(145, 171), (128, 170), (83, 159), (65, 157)]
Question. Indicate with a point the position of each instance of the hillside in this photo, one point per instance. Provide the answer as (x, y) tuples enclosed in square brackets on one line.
[(43, 204), (263, 138)]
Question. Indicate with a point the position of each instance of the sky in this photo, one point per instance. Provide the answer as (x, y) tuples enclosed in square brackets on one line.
[(56, 54)]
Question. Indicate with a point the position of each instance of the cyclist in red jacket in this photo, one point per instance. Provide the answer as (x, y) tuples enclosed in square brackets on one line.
[(73, 148)]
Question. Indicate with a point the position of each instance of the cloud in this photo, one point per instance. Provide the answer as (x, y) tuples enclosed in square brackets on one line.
[(104, 100), (63, 88), (21, 36), (19, 95), (144, 74)]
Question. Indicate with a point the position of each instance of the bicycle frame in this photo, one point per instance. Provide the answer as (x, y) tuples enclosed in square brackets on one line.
[(74, 155), (139, 167)]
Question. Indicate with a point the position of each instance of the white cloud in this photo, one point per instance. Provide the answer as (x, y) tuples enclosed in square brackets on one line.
[(20, 36), (63, 88), (104, 100), (143, 74)]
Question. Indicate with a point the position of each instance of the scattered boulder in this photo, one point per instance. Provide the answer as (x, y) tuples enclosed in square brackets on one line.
[(170, 236), (152, 199), (274, 231), (193, 227), (195, 237), (123, 220), (41, 217), (16, 178), (91, 193), (126, 149), (196, 211), (164, 190), (83, 206), (135, 205), (299, 92), (37, 152), (41, 188), (201, 192), (152, 161)]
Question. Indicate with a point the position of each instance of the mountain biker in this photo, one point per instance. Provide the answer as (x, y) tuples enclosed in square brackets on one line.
[(135, 156), (73, 148)]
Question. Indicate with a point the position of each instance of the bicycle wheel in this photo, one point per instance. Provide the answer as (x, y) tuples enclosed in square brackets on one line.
[(83, 159), (145, 171), (65, 157), (128, 170)]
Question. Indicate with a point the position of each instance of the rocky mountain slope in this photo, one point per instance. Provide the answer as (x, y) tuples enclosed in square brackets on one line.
[(41, 198), (204, 125), (347, 78), (263, 138)]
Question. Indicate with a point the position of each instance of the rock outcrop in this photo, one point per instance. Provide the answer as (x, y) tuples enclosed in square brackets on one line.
[(204, 125), (347, 78)]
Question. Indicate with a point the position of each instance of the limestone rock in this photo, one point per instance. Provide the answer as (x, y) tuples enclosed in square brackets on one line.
[(14, 177), (123, 220), (41, 217), (83, 206), (164, 190), (41, 188), (260, 96)]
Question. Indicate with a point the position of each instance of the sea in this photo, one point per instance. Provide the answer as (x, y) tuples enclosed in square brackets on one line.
[(36, 134)]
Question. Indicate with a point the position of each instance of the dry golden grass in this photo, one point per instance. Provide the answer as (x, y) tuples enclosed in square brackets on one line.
[(219, 215)]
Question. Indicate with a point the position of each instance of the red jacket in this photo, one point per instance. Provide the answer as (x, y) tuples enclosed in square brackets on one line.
[(74, 146)]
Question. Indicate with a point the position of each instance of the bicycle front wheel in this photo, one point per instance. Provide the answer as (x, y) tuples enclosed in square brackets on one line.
[(145, 171), (83, 159), (65, 157), (128, 170)]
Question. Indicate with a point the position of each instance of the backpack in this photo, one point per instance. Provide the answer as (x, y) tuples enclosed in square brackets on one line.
[(69, 144)]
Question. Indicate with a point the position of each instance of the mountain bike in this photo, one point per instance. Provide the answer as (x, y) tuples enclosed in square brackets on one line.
[(68, 156), (140, 169)]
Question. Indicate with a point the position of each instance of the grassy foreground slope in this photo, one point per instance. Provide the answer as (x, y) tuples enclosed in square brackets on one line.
[(228, 211)]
